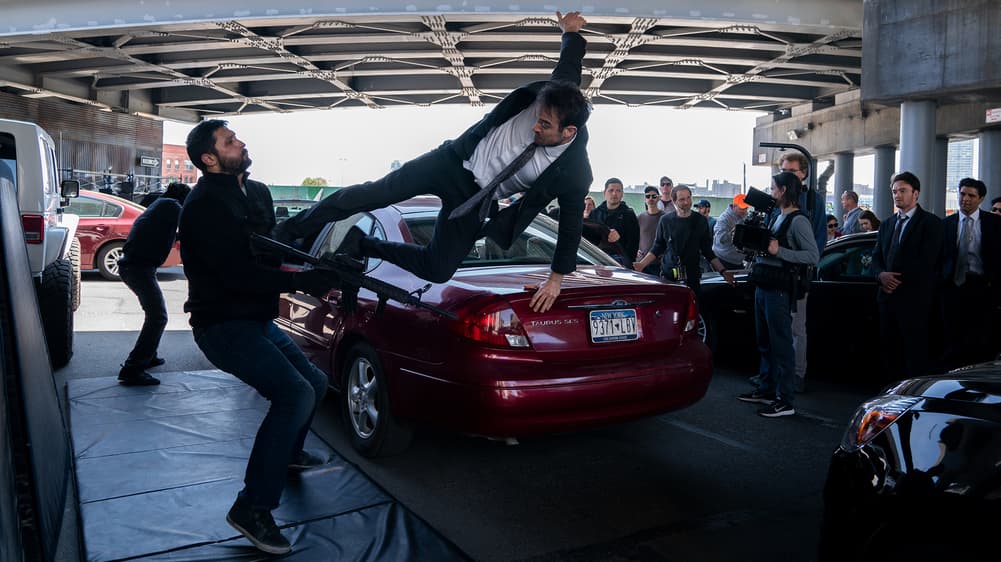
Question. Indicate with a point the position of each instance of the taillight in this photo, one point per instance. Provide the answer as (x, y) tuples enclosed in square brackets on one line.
[(495, 324), (34, 228), (692, 316)]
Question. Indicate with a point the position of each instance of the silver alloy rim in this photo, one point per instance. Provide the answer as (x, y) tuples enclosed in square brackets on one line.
[(702, 330), (111, 261), (362, 390)]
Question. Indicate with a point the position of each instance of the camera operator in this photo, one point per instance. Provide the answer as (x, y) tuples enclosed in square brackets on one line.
[(778, 275), (723, 246)]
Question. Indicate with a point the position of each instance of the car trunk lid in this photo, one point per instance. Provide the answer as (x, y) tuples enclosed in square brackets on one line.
[(601, 312)]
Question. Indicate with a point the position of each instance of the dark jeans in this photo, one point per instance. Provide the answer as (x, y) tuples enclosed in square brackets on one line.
[(141, 280), (438, 172), (773, 325), (261, 355)]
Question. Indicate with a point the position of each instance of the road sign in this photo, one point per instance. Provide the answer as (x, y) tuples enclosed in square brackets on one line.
[(149, 162)]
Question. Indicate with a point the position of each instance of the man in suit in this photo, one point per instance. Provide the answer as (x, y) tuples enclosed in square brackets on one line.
[(905, 261), (849, 200), (971, 251), (543, 121)]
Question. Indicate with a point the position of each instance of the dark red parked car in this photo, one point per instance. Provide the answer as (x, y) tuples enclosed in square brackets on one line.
[(617, 345), (105, 222)]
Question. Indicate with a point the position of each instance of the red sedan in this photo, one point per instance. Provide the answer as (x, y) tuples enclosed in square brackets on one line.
[(105, 222), (617, 345)]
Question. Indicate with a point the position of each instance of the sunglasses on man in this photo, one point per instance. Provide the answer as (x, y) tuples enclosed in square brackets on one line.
[(832, 225), (652, 196), (666, 183), (996, 210)]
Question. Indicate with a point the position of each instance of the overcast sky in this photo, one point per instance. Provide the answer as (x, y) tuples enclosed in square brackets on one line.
[(636, 144)]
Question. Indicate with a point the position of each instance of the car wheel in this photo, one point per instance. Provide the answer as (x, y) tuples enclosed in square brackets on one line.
[(707, 332), (55, 304), (74, 257), (107, 260), (369, 421)]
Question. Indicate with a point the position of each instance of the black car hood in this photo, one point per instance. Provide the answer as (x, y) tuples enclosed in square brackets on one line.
[(979, 383)]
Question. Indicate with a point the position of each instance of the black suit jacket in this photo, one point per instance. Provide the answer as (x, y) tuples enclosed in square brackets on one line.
[(990, 246), (567, 179), (917, 259)]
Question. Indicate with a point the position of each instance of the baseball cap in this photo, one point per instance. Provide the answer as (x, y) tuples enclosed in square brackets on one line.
[(651, 189), (704, 203), (738, 201)]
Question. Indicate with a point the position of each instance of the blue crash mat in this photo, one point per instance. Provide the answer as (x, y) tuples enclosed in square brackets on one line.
[(158, 467)]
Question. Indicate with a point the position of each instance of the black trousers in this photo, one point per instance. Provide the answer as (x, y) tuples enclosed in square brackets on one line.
[(903, 327), (968, 322), (141, 280), (439, 173)]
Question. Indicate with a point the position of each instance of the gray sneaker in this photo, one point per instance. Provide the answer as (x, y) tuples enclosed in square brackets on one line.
[(259, 528)]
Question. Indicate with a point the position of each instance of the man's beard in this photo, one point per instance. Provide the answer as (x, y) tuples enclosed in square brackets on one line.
[(235, 166)]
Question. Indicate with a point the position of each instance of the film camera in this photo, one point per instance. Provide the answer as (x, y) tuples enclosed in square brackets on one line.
[(752, 235)]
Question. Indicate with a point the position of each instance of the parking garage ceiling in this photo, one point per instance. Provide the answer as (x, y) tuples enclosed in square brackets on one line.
[(186, 66)]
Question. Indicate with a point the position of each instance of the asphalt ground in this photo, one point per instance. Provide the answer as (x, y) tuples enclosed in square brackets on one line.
[(713, 482)]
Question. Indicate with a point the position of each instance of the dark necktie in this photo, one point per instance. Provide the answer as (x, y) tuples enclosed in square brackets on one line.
[(895, 242), (483, 197), (963, 252)]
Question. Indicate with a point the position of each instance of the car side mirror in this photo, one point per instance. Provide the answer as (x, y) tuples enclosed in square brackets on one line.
[(69, 188)]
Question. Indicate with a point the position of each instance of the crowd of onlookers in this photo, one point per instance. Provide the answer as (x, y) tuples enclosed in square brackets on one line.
[(922, 263)]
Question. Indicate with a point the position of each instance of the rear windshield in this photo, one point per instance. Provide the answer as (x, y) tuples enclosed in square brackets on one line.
[(534, 246)]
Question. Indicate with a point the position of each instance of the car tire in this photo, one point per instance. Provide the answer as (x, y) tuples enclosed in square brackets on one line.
[(707, 332), (107, 260), (368, 418), (55, 304), (74, 257)]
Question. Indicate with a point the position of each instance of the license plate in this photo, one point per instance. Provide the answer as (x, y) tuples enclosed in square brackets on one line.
[(614, 325)]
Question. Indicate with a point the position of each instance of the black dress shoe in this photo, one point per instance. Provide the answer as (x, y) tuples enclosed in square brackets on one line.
[(155, 362), (141, 378)]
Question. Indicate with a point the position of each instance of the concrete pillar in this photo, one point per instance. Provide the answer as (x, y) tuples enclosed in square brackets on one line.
[(933, 188), (883, 169), (844, 175), (917, 141), (990, 163)]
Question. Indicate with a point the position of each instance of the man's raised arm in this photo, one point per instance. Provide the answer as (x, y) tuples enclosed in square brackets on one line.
[(572, 49)]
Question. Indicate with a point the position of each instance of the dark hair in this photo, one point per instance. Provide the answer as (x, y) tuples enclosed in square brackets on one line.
[(566, 99), (907, 178), (792, 186), (201, 140), (610, 181), (832, 218), (651, 189), (970, 182), (178, 191), (871, 217), (996, 200), (851, 195), (678, 189)]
